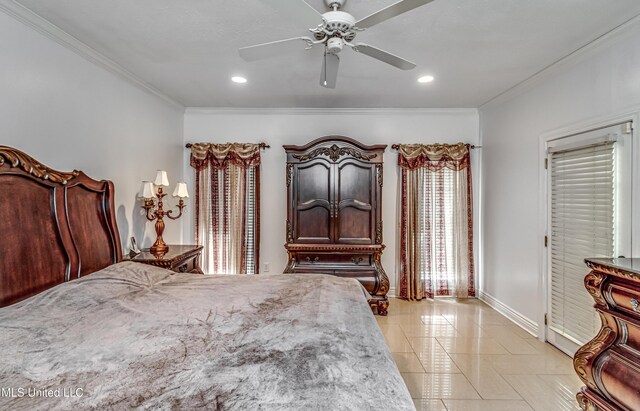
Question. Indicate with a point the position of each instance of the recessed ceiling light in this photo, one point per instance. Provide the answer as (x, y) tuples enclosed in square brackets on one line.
[(238, 79), (425, 79)]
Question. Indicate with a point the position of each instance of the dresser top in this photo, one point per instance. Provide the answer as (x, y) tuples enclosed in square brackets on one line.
[(628, 265)]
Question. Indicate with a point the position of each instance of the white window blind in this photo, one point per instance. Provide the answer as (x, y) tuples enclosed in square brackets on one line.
[(250, 227), (435, 220), (438, 222), (582, 205)]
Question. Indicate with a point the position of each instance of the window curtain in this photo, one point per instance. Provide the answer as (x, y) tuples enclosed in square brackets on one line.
[(436, 230), (228, 206)]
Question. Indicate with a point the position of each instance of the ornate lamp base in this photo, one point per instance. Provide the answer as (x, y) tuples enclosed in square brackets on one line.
[(159, 248)]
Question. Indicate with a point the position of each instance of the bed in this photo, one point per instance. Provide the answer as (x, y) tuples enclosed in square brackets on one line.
[(80, 329)]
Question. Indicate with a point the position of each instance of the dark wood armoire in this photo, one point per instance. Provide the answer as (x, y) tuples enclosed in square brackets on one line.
[(334, 212)]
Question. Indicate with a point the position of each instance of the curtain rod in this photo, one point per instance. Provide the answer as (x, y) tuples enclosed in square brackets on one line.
[(397, 146), (261, 145)]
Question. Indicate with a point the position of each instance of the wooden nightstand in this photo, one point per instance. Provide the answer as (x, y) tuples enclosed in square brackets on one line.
[(179, 258)]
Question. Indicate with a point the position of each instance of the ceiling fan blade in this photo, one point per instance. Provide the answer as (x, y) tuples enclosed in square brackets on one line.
[(329, 74), (266, 50), (384, 56), (389, 12), (297, 10)]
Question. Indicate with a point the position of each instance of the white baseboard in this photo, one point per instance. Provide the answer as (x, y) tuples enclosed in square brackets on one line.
[(392, 292), (520, 320)]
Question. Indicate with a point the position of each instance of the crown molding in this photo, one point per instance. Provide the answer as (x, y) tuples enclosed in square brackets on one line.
[(29, 18), (327, 111), (604, 40)]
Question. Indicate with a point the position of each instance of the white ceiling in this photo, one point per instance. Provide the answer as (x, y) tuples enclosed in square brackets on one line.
[(476, 49)]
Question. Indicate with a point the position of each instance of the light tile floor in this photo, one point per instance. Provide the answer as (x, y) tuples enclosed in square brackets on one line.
[(463, 355)]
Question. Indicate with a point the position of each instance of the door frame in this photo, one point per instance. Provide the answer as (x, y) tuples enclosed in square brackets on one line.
[(632, 115)]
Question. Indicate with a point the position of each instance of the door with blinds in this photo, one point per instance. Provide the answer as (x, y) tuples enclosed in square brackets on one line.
[(589, 215)]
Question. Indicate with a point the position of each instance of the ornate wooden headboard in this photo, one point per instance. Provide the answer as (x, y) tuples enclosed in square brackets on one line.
[(55, 226)]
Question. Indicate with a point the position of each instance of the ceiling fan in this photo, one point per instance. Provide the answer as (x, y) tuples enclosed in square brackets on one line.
[(333, 29)]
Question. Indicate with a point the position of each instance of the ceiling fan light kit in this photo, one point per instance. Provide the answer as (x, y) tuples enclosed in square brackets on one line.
[(335, 30), (335, 45)]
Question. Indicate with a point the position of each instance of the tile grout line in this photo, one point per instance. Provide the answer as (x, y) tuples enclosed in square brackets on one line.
[(465, 376)]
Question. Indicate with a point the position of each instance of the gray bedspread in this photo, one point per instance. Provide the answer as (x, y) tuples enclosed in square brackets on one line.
[(133, 335)]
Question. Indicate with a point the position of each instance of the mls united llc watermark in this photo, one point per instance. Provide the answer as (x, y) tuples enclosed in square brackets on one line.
[(32, 392)]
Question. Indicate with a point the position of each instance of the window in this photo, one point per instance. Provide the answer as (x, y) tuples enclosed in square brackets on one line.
[(228, 206), (436, 234)]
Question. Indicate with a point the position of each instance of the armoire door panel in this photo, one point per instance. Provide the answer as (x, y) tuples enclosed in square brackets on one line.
[(319, 231), (354, 226), (354, 217), (354, 182), (313, 181), (313, 202)]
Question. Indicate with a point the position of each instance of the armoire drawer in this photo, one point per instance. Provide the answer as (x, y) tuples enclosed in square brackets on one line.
[(366, 278), (351, 260)]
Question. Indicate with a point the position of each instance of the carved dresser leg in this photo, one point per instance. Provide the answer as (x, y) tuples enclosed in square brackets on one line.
[(585, 403)]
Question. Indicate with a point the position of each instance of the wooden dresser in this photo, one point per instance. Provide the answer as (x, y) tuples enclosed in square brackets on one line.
[(334, 212), (609, 364)]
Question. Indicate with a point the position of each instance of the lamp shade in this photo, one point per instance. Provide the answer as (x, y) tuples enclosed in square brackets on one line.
[(181, 190), (162, 179), (147, 191)]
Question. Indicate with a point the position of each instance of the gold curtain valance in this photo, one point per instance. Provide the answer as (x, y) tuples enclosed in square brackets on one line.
[(242, 154), (434, 156)]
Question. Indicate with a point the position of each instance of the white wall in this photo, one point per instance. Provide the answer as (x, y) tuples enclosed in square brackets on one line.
[(70, 113), (598, 83), (278, 127)]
